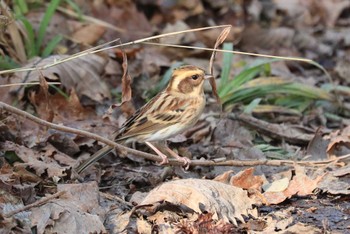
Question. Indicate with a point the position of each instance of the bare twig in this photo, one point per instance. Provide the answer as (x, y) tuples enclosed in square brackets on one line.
[(156, 158), (119, 147), (34, 204)]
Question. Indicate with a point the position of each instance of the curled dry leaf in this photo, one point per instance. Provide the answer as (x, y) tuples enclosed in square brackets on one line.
[(126, 80), (82, 74), (221, 38), (225, 202)]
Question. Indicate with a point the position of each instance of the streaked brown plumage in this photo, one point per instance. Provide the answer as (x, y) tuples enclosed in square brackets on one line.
[(169, 113)]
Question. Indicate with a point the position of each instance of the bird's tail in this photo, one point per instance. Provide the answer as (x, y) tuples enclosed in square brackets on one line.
[(95, 157)]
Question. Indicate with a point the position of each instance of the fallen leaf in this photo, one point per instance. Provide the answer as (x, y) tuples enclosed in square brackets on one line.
[(224, 177), (247, 180), (82, 74), (333, 185), (199, 196), (301, 184), (302, 228), (317, 147), (88, 34), (54, 164), (77, 211), (277, 186), (338, 139), (341, 171)]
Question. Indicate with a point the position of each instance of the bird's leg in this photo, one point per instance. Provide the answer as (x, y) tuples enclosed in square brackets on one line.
[(185, 160), (163, 156)]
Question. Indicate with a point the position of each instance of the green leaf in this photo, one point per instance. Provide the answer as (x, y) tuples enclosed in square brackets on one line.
[(30, 40), (226, 66), (252, 105), (51, 45), (21, 6), (246, 75), (7, 62), (11, 157)]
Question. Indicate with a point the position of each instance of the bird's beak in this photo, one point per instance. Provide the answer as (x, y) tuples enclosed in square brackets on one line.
[(208, 76)]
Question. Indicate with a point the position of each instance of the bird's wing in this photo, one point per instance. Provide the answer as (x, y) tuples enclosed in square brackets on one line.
[(160, 112)]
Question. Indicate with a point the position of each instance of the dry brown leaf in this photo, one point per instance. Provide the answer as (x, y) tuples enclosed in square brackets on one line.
[(78, 211), (274, 197), (126, 80), (221, 38), (45, 101), (337, 139), (333, 185), (196, 195), (224, 177), (247, 180), (89, 34), (317, 147), (301, 185), (52, 164), (60, 108), (204, 224), (82, 74)]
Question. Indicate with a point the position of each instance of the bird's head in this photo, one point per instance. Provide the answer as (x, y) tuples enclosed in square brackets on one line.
[(187, 80)]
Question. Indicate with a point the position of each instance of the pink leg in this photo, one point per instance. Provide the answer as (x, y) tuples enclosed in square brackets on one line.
[(185, 160), (163, 156)]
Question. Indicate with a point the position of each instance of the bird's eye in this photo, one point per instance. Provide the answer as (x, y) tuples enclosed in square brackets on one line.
[(195, 77)]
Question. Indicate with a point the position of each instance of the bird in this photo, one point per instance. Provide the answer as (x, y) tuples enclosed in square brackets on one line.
[(169, 113)]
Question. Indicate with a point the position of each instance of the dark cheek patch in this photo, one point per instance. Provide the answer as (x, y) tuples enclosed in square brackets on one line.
[(185, 86)]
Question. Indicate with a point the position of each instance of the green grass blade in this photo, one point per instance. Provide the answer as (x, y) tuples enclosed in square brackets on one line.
[(30, 40), (246, 75), (76, 8), (51, 45), (21, 7), (7, 62), (226, 66), (252, 105), (274, 88), (45, 21)]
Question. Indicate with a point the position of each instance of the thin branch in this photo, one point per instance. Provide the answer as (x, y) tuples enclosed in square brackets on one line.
[(117, 146), (156, 158), (35, 204)]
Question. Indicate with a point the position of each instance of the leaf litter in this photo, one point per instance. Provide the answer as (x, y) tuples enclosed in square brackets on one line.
[(37, 162)]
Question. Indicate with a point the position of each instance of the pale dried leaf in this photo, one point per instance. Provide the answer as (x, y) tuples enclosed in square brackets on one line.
[(200, 195), (278, 185)]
